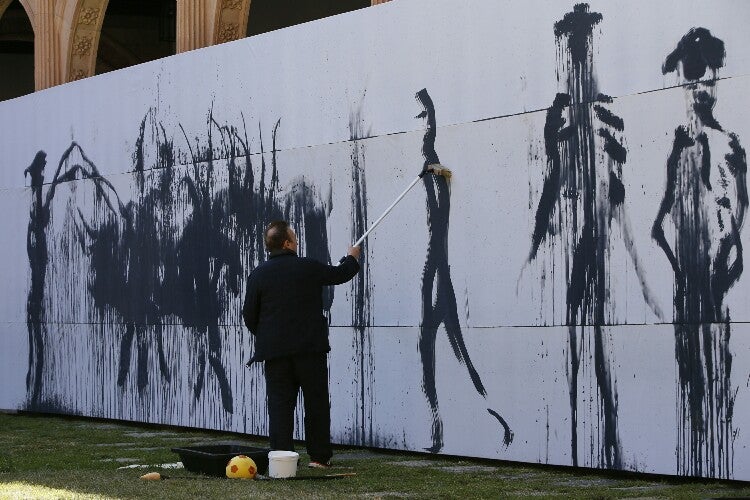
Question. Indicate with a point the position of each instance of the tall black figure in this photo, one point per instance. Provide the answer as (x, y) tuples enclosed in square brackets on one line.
[(437, 284), (36, 247), (38, 252), (582, 195), (706, 198)]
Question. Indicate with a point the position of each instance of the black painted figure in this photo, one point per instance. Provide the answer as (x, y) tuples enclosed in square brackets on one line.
[(438, 295), (582, 195), (36, 247), (706, 199), (39, 258)]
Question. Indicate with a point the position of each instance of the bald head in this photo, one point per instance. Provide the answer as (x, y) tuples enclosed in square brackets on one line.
[(279, 236)]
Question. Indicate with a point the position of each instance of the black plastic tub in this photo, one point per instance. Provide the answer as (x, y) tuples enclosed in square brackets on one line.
[(212, 459)]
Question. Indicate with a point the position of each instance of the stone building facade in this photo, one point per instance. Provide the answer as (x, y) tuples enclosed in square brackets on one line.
[(68, 39)]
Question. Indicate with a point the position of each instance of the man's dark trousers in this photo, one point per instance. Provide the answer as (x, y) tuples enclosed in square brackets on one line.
[(284, 377)]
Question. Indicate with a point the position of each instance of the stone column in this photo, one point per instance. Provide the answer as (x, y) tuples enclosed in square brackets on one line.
[(47, 68), (193, 20)]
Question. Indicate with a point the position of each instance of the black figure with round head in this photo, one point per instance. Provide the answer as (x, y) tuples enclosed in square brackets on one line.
[(705, 201)]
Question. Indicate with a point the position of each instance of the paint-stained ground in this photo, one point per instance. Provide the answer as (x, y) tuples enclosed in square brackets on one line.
[(62, 457)]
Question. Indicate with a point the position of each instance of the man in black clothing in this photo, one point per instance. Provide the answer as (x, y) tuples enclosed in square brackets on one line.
[(284, 310)]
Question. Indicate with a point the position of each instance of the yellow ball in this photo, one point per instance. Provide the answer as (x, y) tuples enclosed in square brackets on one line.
[(241, 467)]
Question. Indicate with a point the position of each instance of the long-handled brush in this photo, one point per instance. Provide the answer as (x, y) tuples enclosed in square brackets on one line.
[(435, 169)]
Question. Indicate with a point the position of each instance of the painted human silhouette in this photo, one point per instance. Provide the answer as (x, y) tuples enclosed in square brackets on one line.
[(582, 194), (36, 248), (705, 198), (438, 295), (38, 253)]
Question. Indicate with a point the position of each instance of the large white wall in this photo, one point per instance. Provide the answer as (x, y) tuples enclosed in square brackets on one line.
[(492, 70)]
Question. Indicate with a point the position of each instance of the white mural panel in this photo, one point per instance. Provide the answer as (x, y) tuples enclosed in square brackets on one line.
[(574, 295)]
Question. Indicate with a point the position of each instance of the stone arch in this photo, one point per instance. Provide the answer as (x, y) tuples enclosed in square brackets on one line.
[(136, 31), (231, 20), (80, 37), (27, 6), (4, 5)]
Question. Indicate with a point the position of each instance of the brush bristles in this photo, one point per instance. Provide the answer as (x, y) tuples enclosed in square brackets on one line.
[(438, 169)]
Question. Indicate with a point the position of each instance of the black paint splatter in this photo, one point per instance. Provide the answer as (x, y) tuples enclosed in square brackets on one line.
[(437, 283), (606, 116), (707, 207)]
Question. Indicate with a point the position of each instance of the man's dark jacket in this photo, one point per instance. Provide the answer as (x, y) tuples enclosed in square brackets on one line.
[(284, 304)]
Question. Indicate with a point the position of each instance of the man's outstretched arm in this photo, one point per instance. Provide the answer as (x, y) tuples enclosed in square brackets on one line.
[(336, 275)]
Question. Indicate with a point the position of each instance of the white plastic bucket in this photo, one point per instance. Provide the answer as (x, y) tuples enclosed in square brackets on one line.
[(282, 464)]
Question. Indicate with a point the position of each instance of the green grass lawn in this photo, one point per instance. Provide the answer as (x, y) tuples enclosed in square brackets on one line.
[(63, 457)]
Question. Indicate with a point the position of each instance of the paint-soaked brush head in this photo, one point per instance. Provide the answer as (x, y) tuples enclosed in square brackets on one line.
[(436, 169)]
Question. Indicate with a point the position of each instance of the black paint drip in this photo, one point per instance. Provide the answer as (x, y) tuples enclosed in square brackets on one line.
[(36, 248), (437, 283), (361, 284), (706, 200)]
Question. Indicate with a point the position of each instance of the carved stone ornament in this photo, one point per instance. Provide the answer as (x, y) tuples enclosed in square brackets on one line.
[(82, 45), (89, 16), (232, 4), (228, 32)]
